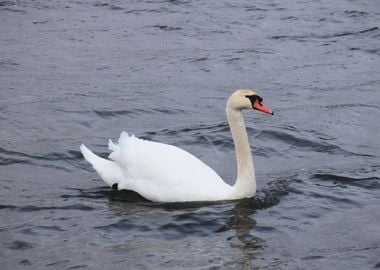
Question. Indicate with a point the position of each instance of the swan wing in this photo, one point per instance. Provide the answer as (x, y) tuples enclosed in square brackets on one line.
[(162, 172)]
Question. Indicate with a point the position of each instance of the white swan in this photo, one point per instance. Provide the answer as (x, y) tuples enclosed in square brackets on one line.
[(165, 173)]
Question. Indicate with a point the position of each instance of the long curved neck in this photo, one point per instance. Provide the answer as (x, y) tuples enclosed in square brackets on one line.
[(245, 185)]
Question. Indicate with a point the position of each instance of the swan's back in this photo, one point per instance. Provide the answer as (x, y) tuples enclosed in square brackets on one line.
[(162, 172)]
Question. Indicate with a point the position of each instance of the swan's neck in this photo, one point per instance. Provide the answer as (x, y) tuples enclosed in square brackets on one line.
[(245, 185)]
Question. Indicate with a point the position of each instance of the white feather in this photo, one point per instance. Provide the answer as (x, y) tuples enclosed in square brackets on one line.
[(109, 171)]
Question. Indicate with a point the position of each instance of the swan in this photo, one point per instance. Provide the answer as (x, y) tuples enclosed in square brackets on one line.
[(165, 173)]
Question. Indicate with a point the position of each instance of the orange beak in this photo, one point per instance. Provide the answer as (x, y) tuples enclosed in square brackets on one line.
[(258, 106)]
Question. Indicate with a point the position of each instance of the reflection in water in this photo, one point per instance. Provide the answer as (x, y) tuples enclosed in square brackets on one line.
[(176, 227), (242, 223), (182, 220)]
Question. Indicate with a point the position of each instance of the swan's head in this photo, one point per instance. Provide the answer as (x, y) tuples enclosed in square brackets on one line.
[(247, 99)]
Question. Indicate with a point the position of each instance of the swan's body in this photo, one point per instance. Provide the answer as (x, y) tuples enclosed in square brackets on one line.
[(165, 173)]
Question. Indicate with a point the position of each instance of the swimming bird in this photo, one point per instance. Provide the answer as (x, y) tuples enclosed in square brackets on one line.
[(165, 173)]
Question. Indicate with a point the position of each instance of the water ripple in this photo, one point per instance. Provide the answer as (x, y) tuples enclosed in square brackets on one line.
[(367, 182), (211, 128), (328, 36), (105, 113), (70, 155), (122, 225), (166, 27), (20, 245), (303, 143), (51, 159), (33, 208)]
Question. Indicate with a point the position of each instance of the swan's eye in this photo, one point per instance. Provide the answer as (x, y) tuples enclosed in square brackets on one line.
[(253, 98)]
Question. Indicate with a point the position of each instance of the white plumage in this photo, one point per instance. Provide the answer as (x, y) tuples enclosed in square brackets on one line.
[(157, 171), (165, 173)]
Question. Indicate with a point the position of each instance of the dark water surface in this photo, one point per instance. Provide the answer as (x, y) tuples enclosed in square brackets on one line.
[(83, 71)]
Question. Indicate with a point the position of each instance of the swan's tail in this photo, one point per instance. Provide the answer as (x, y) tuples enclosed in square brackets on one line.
[(108, 170)]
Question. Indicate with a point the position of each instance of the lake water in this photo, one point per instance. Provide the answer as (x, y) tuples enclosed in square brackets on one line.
[(75, 72)]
